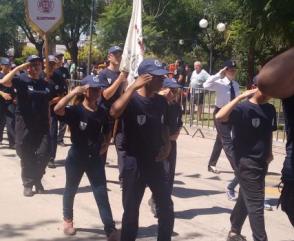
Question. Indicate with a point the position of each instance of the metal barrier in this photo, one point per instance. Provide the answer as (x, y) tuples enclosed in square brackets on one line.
[(198, 106)]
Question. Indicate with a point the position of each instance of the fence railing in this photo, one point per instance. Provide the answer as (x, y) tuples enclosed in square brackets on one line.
[(198, 106)]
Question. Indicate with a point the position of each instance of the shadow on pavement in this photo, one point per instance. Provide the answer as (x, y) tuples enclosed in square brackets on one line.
[(191, 213), (194, 175), (8, 231), (182, 192)]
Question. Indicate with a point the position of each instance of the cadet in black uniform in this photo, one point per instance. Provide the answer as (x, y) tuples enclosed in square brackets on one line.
[(33, 95), (253, 122), (113, 81), (174, 113), (276, 79), (146, 144), (87, 123), (59, 86), (61, 74), (7, 105)]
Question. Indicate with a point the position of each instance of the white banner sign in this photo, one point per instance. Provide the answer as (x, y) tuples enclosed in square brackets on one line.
[(134, 47), (44, 15)]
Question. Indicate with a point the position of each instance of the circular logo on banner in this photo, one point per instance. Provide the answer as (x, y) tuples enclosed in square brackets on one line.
[(45, 6)]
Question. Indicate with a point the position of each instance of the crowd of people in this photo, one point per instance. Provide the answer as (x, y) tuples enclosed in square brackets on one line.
[(144, 120)]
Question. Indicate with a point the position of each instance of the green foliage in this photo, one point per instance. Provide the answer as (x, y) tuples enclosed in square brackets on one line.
[(84, 53), (27, 51)]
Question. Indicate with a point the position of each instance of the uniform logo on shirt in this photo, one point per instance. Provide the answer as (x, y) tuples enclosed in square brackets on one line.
[(255, 122), (83, 125), (162, 119), (47, 90), (30, 88), (56, 87), (141, 119), (109, 80)]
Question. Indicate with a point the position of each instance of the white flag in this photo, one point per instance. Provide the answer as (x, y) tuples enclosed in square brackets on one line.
[(134, 47)]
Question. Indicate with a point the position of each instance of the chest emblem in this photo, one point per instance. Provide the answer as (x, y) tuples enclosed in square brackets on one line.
[(83, 125), (56, 87), (255, 122), (109, 80), (30, 88), (141, 119)]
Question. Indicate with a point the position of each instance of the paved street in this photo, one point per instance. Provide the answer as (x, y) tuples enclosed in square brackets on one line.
[(201, 207)]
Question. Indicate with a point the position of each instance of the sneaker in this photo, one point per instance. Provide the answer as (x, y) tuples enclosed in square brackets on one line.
[(28, 192), (267, 206), (51, 164), (39, 188), (213, 169), (236, 237), (114, 235), (231, 194), (68, 228)]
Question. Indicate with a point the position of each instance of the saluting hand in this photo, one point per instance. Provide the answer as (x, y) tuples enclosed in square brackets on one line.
[(23, 66), (142, 80), (248, 93), (222, 72), (80, 89)]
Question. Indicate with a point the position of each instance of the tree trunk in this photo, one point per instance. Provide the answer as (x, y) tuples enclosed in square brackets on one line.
[(250, 61), (39, 47)]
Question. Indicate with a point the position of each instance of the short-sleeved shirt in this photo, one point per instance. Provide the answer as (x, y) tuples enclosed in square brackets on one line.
[(174, 115), (252, 127), (197, 79), (180, 71), (288, 169), (9, 90), (86, 128), (142, 127), (107, 77), (32, 103)]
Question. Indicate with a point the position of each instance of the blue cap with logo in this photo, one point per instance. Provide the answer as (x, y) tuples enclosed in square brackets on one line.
[(230, 64), (152, 66), (33, 58), (92, 81), (114, 49), (170, 83), (52, 58), (4, 61)]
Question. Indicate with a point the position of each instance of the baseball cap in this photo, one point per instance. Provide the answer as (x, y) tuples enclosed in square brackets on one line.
[(33, 58), (4, 61), (230, 64), (170, 83), (92, 81), (58, 55), (152, 66), (114, 49), (52, 58)]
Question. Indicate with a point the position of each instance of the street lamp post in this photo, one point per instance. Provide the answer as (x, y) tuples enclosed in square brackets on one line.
[(221, 27), (91, 38)]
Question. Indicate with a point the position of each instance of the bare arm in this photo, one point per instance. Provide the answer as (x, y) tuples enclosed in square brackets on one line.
[(224, 113), (276, 78), (110, 91), (59, 108), (6, 81), (121, 103)]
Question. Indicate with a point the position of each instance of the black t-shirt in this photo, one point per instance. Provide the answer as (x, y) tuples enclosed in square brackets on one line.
[(252, 127), (180, 71), (86, 127), (288, 169), (9, 90), (142, 125), (62, 74), (107, 77), (174, 115), (32, 103)]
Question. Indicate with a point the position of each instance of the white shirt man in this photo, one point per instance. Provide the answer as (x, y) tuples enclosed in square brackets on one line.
[(198, 77)]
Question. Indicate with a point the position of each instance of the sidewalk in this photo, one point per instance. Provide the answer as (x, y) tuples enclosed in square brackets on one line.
[(201, 207)]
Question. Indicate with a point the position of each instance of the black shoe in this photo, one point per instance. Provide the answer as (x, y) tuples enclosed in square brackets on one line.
[(61, 143), (236, 237), (28, 192), (51, 164), (213, 169), (39, 188)]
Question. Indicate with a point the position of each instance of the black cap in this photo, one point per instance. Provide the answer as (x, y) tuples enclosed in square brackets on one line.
[(92, 81), (230, 64), (5, 61), (33, 58)]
